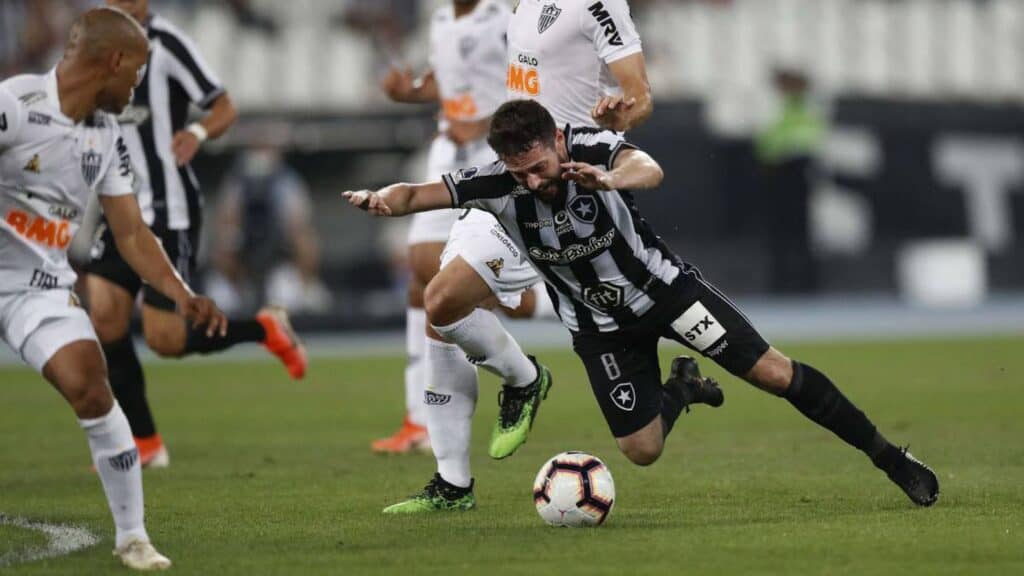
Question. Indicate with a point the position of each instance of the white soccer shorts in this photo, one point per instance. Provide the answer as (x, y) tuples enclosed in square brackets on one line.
[(482, 243), (446, 157), (36, 324)]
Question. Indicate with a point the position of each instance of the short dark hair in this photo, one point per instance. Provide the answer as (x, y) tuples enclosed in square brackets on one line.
[(518, 125)]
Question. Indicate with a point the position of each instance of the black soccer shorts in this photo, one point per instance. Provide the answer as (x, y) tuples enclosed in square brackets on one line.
[(623, 367), (181, 247)]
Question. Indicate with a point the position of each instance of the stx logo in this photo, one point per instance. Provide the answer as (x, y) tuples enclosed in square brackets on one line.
[(523, 80), (460, 108), (699, 327), (54, 234), (605, 19)]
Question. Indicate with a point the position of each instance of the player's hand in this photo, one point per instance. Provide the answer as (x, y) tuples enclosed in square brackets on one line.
[(587, 176), (398, 84), (184, 146), (612, 112), (201, 311), (367, 200)]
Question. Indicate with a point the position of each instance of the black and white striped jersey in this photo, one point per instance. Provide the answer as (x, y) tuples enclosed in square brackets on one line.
[(176, 76), (604, 267)]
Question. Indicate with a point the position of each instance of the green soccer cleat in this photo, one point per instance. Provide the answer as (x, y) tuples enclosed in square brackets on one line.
[(518, 409), (437, 496)]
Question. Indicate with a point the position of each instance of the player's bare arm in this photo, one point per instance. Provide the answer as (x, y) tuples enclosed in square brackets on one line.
[(401, 86), (401, 199), (634, 170), (186, 142), (143, 252), (635, 105)]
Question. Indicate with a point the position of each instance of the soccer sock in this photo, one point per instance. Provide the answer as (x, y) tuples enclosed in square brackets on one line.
[(489, 345), (117, 463), (817, 398), (672, 404), (196, 340), (415, 344), (129, 385), (450, 399)]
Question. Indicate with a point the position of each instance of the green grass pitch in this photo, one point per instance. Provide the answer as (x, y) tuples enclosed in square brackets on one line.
[(269, 476)]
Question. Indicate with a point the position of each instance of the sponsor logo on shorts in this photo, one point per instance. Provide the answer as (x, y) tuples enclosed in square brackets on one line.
[(584, 209), (498, 233), (593, 246), (33, 165), (604, 296), (42, 280), (548, 14), (435, 399), (496, 265), (124, 461), (39, 118), (32, 97), (717, 350), (699, 327), (624, 396)]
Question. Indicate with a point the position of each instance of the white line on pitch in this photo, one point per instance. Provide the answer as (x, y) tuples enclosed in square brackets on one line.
[(62, 540)]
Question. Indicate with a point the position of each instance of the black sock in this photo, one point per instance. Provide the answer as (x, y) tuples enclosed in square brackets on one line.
[(129, 385), (672, 405), (817, 398), (239, 331)]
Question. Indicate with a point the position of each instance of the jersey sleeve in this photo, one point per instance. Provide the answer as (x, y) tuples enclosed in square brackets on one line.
[(119, 179), (484, 187), (186, 65), (10, 118), (599, 147), (608, 24)]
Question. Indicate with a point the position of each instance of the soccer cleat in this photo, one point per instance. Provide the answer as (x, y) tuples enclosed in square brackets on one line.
[(282, 341), (140, 555), (152, 452), (408, 438), (917, 480), (518, 408), (694, 389), (437, 496)]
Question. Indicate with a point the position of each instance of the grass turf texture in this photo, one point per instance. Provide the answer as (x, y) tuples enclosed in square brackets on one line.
[(274, 477)]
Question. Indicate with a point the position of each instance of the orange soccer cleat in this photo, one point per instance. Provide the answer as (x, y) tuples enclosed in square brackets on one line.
[(408, 438), (152, 452), (282, 341)]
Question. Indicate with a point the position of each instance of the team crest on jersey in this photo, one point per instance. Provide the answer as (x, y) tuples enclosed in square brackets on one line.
[(91, 162), (584, 209), (496, 266), (548, 14), (33, 165)]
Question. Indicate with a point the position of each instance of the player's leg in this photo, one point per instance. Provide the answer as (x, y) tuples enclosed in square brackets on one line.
[(480, 262), (110, 287), (170, 336), (424, 262), (715, 327)]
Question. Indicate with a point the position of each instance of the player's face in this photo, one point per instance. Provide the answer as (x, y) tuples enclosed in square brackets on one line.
[(126, 75), (539, 169), (137, 9)]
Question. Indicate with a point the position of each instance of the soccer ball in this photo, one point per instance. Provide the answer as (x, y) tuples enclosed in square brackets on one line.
[(574, 489)]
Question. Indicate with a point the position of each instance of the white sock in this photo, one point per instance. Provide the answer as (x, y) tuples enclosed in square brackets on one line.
[(450, 401), (117, 463), (483, 338), (545, 307), (415, 348)]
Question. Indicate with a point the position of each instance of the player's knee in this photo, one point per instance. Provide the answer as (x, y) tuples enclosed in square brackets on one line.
[(441, 304), (109, 326), (167, 343), (88, 393), (641, 451)]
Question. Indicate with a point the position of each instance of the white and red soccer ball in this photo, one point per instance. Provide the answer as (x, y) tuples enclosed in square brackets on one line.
[(574, 489)]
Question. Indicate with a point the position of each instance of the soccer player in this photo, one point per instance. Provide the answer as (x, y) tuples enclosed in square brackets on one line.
[(467, 56), (565, 196), (161, 147), (59, 143)]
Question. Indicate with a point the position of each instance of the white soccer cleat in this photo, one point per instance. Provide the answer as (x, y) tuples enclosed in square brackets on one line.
[(139, 555), (161, 459)]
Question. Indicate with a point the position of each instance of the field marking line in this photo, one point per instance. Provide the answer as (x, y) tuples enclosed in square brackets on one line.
[(63, 539)]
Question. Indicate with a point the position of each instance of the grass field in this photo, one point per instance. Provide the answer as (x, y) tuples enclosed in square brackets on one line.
[(274, 477)]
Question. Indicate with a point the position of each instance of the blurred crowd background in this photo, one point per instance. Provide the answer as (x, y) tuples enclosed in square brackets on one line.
[(813, 147)]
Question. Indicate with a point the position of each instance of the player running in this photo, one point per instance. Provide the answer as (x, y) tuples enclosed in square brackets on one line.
[(565, 196), (60, 143), (161, 147)]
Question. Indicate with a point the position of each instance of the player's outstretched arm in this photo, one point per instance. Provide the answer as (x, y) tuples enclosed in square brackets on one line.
[(633, 170), (635, 105), (146, 256), (401, 199)]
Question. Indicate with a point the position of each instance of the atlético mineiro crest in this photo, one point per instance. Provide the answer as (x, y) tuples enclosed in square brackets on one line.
[(91, 162), (548, 14)]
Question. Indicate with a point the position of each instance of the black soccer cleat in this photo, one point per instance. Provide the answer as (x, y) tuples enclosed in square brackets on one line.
[(916, 479), (694, 388)]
